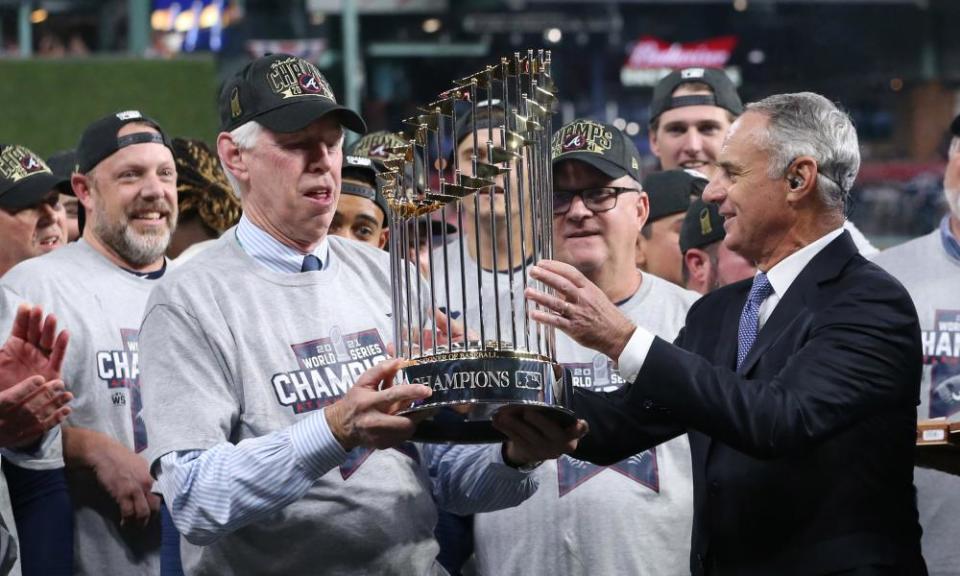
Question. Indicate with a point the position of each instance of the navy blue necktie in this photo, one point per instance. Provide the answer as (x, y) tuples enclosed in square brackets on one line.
[(310, 263), (750, 317)]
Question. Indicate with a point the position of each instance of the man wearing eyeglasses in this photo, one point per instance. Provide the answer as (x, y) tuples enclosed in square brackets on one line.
[(599, 209)]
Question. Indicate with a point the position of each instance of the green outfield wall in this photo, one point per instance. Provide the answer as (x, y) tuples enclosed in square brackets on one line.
[(45, 104)]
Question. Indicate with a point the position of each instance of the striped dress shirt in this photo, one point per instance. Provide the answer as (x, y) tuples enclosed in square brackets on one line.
[(267, 473)]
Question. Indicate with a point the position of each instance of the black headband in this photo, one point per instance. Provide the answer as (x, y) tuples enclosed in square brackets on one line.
[(100, 139), (141, 138), (365, 192), (692, 100), (358, 190)]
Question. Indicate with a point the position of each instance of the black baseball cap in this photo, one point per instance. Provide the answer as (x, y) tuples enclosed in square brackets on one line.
[(376, 146), (360, 168), (64, 164), (284, 93), (702, 226), (100, 139), (724, 92), (600, 145), (670, 191), (436, 227), (25, 179), (955, 126), (489, 113)]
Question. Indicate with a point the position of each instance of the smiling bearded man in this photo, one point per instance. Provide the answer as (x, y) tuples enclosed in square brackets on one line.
[(98, 286)]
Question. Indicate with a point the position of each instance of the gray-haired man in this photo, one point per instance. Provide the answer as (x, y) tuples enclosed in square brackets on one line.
[(798, 389), (267, 384)]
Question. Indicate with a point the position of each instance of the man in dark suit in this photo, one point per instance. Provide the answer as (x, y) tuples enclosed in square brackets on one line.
[(798, 388)]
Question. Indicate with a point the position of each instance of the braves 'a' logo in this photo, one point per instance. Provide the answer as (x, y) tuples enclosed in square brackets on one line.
[(30, 164), (309, 83), (575, 142)]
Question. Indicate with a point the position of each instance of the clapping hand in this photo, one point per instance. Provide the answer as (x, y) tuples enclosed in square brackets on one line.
[(33, 399), (30, 408), (34, 347)]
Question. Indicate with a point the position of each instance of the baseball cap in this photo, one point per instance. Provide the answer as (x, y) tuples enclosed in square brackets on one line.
[(376, 146), (25, 179), (489, 114), (64, 164), (284, 93), (436, 227), (602, 146), (724, 92), (955, 126), (100, 139), (670, 191), (702, 226), (362, 169)]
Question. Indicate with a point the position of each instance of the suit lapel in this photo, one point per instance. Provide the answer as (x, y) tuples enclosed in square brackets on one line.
[(787, 309), (825, 265)]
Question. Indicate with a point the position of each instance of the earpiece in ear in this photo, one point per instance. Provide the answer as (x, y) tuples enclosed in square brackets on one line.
[(794, 182)]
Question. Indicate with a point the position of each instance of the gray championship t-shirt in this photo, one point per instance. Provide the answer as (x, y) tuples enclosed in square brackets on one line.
[(487, 292), (933, 280), (240, 351), (102, 306), (633, 517)]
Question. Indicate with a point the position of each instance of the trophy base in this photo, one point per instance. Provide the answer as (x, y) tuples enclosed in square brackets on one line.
[(472, 423), (470, 387)]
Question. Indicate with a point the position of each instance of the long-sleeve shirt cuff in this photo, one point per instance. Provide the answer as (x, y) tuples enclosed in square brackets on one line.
[(470, 479), (315, 445), (508, 471), (634, 354)]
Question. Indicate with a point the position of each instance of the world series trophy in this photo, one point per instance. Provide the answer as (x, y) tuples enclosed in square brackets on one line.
[(488, 355)]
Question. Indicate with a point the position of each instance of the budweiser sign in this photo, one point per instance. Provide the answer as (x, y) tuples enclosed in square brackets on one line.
[(649, 53), (651, 59)]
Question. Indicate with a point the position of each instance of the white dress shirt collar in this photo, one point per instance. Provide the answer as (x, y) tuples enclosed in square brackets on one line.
[(784, 272), (781, 276), (273, 254)]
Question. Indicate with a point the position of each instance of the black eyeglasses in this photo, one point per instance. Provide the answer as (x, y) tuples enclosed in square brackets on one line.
[(595, 199)]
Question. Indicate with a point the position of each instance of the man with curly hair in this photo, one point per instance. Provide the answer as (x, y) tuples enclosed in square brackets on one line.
[(208, 205)]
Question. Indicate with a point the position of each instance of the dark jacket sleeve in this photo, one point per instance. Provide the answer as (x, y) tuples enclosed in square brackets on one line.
[(616, 432), (617, 429), (857, 356)]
